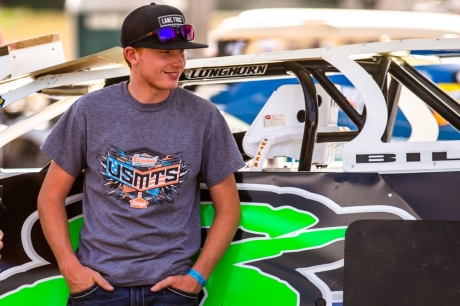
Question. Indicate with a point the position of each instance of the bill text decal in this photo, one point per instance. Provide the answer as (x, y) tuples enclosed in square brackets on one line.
[(223, 72)]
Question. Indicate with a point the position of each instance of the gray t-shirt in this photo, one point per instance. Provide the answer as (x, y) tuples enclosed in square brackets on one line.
[(143, 164)]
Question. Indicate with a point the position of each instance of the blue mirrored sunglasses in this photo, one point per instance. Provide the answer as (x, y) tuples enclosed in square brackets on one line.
[(169, 34)]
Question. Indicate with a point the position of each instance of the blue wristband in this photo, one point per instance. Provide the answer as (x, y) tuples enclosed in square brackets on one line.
[(200, 279)]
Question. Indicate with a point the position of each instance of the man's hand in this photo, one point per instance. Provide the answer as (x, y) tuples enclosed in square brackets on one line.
[(1, 243), (182, 282), (80, 278)]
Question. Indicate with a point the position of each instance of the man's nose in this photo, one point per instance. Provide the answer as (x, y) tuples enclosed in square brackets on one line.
[(179, 59)]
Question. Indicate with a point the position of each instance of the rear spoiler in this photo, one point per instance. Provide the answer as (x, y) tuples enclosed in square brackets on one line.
[(24, 56)]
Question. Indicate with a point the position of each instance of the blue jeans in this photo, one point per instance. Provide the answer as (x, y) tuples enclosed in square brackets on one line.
[(132, 296)]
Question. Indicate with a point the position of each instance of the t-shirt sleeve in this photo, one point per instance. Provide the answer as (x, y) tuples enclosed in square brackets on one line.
[(66, 144), (221, 156)]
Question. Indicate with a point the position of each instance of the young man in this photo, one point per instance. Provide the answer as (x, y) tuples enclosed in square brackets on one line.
[(144, 145)]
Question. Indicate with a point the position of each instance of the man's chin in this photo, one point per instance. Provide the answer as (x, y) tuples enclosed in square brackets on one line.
[(172, 86)]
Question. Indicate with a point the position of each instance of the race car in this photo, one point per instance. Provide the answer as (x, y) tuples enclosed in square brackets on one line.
[(306, 179)]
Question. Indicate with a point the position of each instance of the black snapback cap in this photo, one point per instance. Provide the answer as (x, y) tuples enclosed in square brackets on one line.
[(152, 17)]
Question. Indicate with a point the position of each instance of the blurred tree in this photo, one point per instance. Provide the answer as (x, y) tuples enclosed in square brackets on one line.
[(38, 4)]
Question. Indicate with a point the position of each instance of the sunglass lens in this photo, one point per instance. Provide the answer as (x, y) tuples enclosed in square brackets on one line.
[(167, 35), (187, 32)]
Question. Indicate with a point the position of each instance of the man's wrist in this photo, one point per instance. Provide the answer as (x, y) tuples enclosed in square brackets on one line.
[(68, 264), (198, 277)]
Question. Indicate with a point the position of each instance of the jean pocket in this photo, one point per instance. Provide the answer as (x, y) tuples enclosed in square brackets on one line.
[(86, 292), (182, 293)]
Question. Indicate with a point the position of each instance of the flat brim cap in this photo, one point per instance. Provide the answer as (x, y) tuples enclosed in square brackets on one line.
[(150, 18)]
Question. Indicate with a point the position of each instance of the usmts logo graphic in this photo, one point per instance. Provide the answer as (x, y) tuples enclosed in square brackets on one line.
[(144, 177)]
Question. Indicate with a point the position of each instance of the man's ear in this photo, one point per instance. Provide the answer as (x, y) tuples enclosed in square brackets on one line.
[(130, 55)]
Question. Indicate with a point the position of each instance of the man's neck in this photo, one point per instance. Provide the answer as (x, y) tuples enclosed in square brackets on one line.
[(146, 94)]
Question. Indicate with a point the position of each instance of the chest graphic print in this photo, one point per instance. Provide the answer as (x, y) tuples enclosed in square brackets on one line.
[(143, 177)]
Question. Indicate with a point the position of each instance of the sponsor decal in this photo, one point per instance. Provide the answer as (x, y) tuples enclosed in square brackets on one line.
[(223, 72), (2, 101), (410, 157), (274, 120), (258, 157), (144, 177), (171, 21), (144, 160)]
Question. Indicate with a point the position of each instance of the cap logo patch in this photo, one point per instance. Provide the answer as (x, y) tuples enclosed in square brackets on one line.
[(171, 21)]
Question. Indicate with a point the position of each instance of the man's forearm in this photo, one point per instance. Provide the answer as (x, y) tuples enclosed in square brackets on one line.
[(53, 215), (53, 218), (226, 221), (219, 237)]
